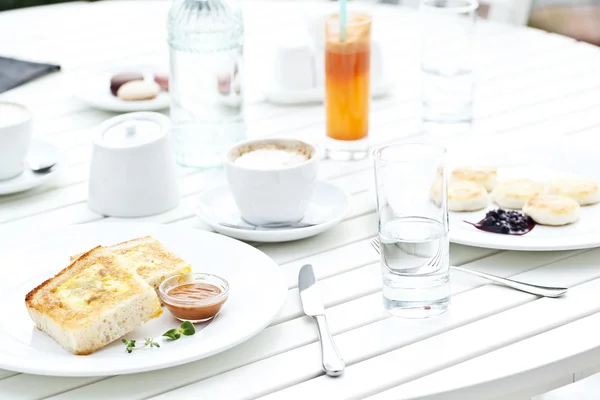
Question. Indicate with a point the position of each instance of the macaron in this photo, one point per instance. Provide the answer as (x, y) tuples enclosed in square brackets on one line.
[(120, 79), (162, 80), (138, 90)]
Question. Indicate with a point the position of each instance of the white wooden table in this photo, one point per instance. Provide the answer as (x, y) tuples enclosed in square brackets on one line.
[(494, 343)]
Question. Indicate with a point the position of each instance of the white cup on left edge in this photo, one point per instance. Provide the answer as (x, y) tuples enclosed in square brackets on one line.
[(15, 139)]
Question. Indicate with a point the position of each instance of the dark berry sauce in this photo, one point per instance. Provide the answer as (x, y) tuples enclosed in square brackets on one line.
[(505, 222)]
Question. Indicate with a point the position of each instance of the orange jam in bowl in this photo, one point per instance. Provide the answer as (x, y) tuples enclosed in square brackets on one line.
[(194, 297)]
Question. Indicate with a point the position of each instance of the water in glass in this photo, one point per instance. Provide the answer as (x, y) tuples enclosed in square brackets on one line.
[(206, 85), (447, 95), (415, 263)]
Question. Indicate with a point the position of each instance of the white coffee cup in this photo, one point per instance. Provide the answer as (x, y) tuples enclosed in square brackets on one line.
[(15, 138), (277, 192), (294, 66)]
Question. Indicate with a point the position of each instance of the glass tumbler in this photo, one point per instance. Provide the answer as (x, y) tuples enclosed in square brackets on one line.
[(347, 91), (411, 188), (447, 78)]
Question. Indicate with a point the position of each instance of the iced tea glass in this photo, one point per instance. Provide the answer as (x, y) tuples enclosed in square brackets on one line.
[(347, 70)]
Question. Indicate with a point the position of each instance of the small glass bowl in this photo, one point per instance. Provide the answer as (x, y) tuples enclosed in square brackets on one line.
[(194, 310)]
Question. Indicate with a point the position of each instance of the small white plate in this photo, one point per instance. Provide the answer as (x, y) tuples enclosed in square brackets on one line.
[(29, 179), (257, 292), (327, 207), (94, 89), (317, 94)]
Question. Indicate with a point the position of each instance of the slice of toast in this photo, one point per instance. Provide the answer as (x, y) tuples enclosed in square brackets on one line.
[(150, 258), (92, 302)]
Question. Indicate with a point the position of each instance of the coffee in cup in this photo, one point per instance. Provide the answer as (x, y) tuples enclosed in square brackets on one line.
[(272, 180), (15, 138)]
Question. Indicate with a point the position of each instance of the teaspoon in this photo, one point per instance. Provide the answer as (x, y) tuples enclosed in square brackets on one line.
[(40, 165)]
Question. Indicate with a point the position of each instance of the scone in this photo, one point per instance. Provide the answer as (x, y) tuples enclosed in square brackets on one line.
[(485, 176), (513, 193), (150, 259), (552, 209), (462, 195), (583, 191), (92, 302)]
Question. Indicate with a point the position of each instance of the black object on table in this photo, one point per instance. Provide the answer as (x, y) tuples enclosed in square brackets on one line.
[(15, 72)]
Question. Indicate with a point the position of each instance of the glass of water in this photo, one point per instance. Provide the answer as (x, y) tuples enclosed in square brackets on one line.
[(413, 228), (447, 79)]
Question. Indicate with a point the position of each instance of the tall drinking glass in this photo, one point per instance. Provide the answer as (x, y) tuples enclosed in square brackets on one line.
[(347, 70), (413, 228), (447, 78)]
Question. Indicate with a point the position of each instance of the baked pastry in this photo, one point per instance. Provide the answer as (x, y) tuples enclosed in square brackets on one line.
[(462, 195), (513, 193), (485, 176), (552, 209), (583, 191)]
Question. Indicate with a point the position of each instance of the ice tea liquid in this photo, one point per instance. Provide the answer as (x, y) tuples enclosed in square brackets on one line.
[(347, 70)]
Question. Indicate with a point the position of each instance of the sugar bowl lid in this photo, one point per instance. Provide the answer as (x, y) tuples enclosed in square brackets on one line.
[(132, 130)]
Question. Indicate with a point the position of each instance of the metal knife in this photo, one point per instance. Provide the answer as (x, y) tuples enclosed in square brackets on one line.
[(310, 295)]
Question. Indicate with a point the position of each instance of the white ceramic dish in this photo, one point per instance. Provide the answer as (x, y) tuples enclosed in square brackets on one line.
[(328, 205), (94, 89), (135, 145), (257, 292), (538, 161), (29, 179), (541, 161)]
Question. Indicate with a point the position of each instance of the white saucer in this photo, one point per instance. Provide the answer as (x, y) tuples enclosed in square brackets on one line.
[(379, 89), (29, 179), (94, 89), (328, 204)]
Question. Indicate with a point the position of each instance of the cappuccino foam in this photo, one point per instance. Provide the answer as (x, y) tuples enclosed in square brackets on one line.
[(272, 157)]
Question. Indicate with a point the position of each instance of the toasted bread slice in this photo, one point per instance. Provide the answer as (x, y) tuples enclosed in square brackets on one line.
[(92, 302), (151, 259)]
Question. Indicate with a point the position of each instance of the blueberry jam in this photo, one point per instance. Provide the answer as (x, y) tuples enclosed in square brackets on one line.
[(505, 222)]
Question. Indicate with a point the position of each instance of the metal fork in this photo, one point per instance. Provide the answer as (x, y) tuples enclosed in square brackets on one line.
[(545, 291)]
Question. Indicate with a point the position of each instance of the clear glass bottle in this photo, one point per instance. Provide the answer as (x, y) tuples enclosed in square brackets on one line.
[(206, 81)]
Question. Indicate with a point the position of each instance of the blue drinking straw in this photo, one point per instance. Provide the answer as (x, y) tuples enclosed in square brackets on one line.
[(343, 18)]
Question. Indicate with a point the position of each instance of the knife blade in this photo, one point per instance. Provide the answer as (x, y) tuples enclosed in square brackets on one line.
[(312, 303)]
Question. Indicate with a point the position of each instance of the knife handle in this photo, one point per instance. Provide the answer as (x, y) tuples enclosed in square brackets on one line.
[(333, 365)]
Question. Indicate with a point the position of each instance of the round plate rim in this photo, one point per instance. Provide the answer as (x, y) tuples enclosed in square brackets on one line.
[(275, 236), (7, 187), (280, 300)]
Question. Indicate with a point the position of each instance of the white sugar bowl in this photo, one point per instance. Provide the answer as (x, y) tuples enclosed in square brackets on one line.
[(133, 172)]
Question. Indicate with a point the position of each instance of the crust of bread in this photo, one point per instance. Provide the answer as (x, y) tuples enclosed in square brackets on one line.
[(92, 302), (152, 260), (29, 296)]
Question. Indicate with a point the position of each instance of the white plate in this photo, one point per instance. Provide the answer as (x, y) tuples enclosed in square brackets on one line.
[(317, 95), (328, 205), (94, 89), (542, 162), (29, 179), (257, 292)]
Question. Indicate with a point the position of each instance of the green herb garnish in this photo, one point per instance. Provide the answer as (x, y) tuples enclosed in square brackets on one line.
[(187, 329), (130, 344)]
